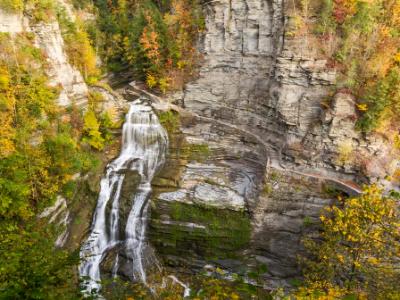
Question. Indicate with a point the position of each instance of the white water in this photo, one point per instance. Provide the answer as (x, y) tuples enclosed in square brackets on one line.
[(144, 143)]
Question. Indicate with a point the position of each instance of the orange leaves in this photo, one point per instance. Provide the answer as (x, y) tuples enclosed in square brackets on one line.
[(343, 9), (153, 38), (149, 42)]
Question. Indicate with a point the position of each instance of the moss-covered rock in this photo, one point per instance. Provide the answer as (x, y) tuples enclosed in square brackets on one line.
[(188, 234), (192, 235)]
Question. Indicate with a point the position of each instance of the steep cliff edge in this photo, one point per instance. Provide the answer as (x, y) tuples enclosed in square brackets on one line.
[(274, 148), (48, 38), (260, 78)]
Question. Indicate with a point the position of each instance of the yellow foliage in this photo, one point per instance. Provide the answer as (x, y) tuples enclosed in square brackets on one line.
[(397, 141), (362, 107), (359, 240), (7, 103), (12, 5), (397, 57), (181, 64), (164, 84), (151, 81), (79, 49), (345, 150)]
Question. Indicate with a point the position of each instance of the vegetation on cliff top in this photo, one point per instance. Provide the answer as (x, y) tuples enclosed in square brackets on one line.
[(361, 39), (153, 39), (12, 5)]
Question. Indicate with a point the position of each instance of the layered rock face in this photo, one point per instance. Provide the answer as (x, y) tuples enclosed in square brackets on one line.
[(258, 78), (48, 38), (258, 108), (61, 72)]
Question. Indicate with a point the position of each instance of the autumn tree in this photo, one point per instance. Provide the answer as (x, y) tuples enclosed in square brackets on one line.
[(7, 115), (155, 40), (78, 46), (92, 134), (358, 251), (39, 154)]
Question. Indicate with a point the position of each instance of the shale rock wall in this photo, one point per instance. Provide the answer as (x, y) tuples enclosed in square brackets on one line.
[(258, 107)]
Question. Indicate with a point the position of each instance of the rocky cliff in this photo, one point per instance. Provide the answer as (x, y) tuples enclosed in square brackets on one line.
[(48, 38), (259, 145)]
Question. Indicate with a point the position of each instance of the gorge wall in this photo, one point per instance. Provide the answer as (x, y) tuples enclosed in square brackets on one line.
[(255, 147), (258, 146)]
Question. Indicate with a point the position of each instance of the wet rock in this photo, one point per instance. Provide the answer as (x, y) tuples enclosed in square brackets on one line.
[(129, 186)]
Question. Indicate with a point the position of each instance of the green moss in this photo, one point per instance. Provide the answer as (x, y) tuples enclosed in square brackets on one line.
[(195, 152), (267, 189), (307, 221), (226, 232), (170, 121)]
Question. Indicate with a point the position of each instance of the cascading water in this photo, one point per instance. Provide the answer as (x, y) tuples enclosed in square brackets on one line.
[(144, 144)]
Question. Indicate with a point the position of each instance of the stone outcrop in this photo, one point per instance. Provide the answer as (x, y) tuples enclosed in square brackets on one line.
[(48, 38), (259, 106), (254, 150), (12, 22), (61, 72), (262, 81)]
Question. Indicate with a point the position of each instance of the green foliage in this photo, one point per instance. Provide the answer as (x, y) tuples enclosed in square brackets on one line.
[(169, 120), (40, 10), (97, 130), (40, 153), (81, 4), (91, 129), (365, 40), (12, 5), (30, 266), (106, 124), (358, 251), (78, 46), (326, 21), (153, 39), (215, 288), (384, 96)]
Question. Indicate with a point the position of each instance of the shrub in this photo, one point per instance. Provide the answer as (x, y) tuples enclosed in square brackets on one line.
[(358, 250), (12, 5), (92, 134)]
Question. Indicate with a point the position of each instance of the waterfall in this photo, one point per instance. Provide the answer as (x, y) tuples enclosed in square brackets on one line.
[(144, 143)]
